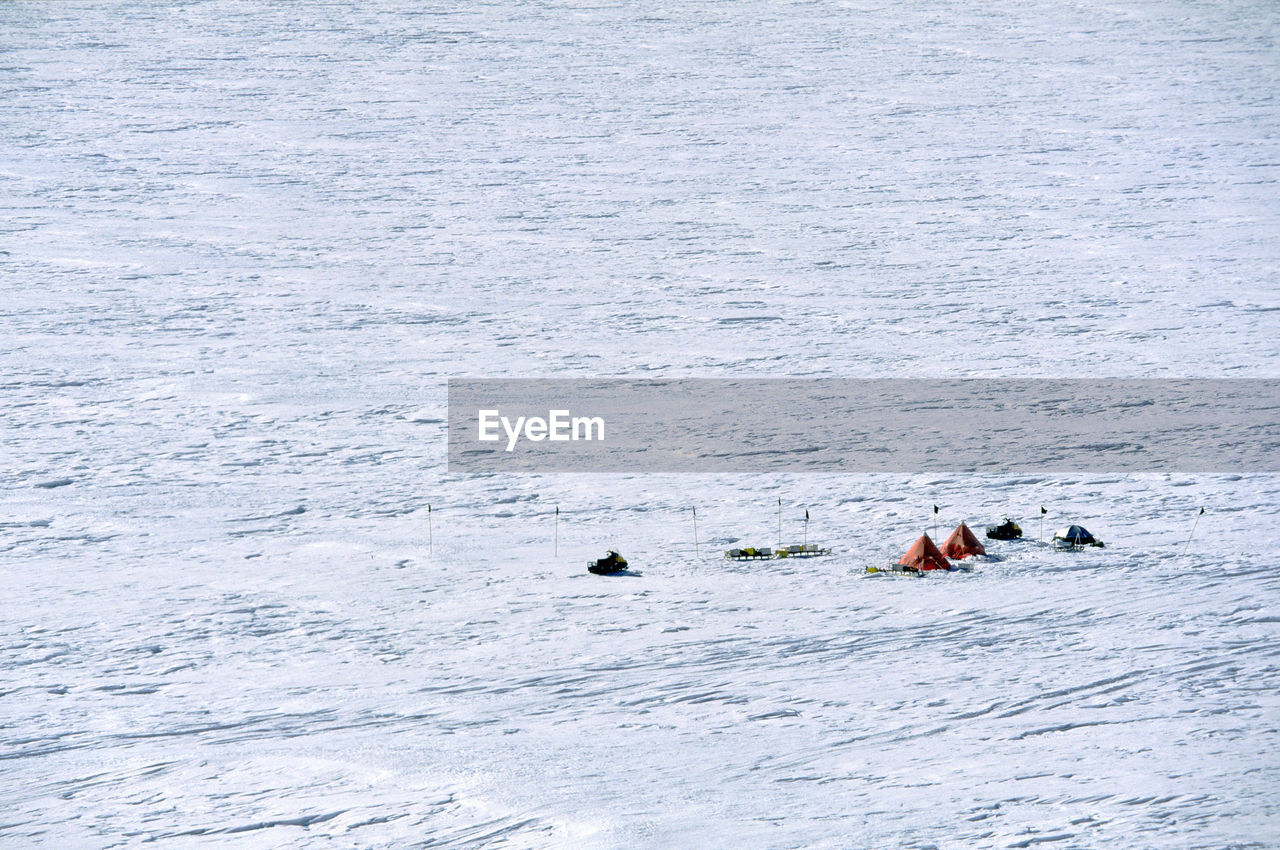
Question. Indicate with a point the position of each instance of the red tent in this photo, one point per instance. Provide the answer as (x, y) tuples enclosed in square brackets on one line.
[(962, 543), (923, 555)]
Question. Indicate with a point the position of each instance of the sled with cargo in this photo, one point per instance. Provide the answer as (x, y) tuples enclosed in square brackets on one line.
[(803, 550), (895, 571), (749, 553), (798, 550)]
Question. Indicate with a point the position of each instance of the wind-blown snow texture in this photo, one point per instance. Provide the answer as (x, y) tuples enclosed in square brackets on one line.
[(244, 245)]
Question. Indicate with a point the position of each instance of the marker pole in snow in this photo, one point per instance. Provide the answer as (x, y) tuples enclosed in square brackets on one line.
[(1043, 511), (430, 547), (806, 526), (779, 522), (695, 533), (557, 543), (935, 522), (1193, 531)]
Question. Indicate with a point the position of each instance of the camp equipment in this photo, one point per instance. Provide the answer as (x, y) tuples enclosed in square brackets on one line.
[(749, 553), (796, 550), (895, 571), (962, 544), (924, 555), (803, 550), (1074, 537)]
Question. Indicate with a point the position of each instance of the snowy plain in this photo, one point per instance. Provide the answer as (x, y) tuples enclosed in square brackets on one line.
[(243, 247)]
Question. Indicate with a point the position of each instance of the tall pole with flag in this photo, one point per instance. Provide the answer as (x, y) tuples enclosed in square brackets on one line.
[(557, 532), (806, 527), (1193, 531), (935, 522), (779, 522), (1043, 511), (430, 547)]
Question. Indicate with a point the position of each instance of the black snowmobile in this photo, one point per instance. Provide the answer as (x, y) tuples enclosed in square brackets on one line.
[(1007, 530), (608, 565)]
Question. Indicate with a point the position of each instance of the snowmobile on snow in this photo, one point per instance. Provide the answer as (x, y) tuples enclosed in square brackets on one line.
[(1007, 530), (608, 565)]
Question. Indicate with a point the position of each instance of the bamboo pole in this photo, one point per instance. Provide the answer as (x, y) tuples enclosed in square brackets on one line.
[(1193, 531), (695, 534)]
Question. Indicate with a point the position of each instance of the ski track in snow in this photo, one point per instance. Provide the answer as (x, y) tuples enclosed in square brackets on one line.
[(243, 247)]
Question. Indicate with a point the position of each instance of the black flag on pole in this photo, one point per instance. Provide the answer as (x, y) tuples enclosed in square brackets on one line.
[(1043, 510)]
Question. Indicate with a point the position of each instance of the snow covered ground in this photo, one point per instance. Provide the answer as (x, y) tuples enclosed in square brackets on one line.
[(243, 247)]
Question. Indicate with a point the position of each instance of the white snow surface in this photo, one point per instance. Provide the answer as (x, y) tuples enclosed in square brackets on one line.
[(243, 245)]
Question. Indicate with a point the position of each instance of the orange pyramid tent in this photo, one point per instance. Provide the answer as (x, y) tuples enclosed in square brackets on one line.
[(923, 555), (962, 543)]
